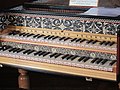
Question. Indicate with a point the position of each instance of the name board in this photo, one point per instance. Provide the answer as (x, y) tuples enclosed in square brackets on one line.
[(88, 3)]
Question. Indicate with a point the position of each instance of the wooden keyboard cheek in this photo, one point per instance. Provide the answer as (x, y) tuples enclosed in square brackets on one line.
[(58, 68)]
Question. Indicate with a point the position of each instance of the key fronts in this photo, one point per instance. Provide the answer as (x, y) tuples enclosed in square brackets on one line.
[(63, 39)]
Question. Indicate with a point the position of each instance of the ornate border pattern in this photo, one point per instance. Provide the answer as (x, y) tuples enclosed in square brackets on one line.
[(77, 24), (68, 23), (3, 23)]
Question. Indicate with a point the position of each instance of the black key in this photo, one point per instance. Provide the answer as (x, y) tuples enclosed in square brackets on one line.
[(102, 42), (89, 41), (20, 50), (82, 40), (73, 39), (12, 49), (93, 61), (70, 56), (37, 53), (112, 62), (62, 38), (4, 45), (75, 56), (14, 32), (55, 37), (39, 36), (11, 33), (104, 61), (52, 55), (30, 35), (36, 35), (25, 34), (67, 38), (6, 48), (26, 51), (112, 43), (1, 48), (21, 34), (50, 37), (98, 61), (63, 57), (78, 40), (85, 59), (30, 52), (46, 36), (106, 43), (46, 53), (41, 53), (15, 50), (57, 55), (95, 41), (81, 58)]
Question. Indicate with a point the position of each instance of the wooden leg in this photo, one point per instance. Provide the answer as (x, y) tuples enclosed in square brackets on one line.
[(23, 79), (119, 85)]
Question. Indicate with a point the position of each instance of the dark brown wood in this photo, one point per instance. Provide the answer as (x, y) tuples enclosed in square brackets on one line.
[(119, 85), (10, 3), (101, 3), (118, 54), (118, 58), (23, 79), (109, 3)]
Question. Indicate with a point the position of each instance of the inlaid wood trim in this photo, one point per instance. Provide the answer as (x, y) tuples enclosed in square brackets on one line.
[(59, 68)]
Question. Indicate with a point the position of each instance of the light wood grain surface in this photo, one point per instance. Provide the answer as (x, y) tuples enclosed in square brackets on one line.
[(58, 68)]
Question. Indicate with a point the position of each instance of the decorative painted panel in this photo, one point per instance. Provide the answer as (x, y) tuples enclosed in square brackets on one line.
[(3, 22), (77, 24)]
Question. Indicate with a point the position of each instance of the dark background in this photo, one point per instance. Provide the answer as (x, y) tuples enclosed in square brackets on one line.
[(49, 81), (10, 3), (102, 3)]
